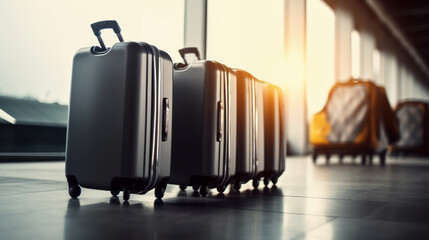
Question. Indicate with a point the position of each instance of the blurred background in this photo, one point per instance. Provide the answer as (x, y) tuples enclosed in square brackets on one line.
[(304, 46)]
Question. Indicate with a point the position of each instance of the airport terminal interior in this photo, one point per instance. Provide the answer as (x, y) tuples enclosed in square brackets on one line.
[(321, 130)]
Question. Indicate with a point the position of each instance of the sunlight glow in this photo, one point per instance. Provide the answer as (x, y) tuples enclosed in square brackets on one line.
[(295, 70), (238, 39)]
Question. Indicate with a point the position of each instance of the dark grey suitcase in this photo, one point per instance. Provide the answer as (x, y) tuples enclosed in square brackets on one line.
[(250, 132), (275, 135), (413, 118), (119, 118), (203, 153)]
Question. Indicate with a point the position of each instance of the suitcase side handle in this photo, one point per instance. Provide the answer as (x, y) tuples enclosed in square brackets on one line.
[(219, 121), (166, 117), (189, 50), (98, 26)]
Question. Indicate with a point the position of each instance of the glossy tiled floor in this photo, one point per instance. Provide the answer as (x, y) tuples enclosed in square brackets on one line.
[(336, 201)]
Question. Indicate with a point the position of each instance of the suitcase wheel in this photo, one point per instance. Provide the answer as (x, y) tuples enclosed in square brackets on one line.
[(266, 181), (382, 159), (255, 183), (340, 158), (274, 180), (370, 159), (363, 159), (237, 185), (182, 187), (314, 157), (328, 158), (196, 188), (159, 192), (114, 192), (74, 191), (204, 190), (222, 188), (126, 194)]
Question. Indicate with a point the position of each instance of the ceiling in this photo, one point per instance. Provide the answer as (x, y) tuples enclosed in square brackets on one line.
[(412, 18)]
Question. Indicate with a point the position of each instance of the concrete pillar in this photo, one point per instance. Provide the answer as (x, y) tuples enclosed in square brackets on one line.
[(367, 46), (382, 67), (401, 79), (389, 74), (410, 85), (196, 25), (376, 65), (294, 37), (393, 81), (343, 30)]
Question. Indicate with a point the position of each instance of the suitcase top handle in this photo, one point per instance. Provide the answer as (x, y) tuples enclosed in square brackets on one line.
[(97, 26), (188, 50)]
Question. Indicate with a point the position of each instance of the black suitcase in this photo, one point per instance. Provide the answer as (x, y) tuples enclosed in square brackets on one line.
[(119, 118), (203, 153), (275, 135), (250, 132)]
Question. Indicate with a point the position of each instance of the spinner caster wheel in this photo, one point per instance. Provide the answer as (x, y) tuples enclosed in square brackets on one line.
[(314, 156), (383, 159), (370, 159), (182, 187), (196, 188), (328, 158), (159, 192), (255, 183), (237, 185), (274, 181), (222, 188), (114, 192), (126, 194), (74, 191), (266, 181), (204, 190), (363, 159)]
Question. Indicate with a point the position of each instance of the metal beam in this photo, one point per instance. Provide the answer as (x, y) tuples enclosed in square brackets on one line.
[(411, 12), (396, 32)]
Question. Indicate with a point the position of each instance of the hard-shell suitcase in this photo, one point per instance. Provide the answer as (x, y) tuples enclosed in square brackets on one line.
[(203, 153), (356, 120), (250, 132), (119, 118), (275, 135), (413, 117)]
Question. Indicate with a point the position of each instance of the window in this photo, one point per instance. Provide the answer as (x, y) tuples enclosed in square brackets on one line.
[(320, 54), (39, 39), (249, 38)]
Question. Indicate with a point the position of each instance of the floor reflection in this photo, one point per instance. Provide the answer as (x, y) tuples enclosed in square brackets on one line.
[(184, 217), (335, 201)]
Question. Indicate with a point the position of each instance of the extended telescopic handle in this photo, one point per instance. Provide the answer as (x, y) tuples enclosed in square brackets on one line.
[(97, 26), (188, 50)]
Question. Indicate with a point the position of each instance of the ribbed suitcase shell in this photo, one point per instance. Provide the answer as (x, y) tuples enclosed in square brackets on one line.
[(246, 127), (200, 157), (275, 134), (118, 112)]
